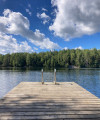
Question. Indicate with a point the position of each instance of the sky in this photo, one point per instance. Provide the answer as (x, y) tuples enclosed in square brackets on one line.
[(44, 25)]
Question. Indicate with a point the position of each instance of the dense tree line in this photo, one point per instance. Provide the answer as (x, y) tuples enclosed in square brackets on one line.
[(64, 58)]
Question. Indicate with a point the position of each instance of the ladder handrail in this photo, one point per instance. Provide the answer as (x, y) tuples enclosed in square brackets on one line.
[(54, 76), (42, 76)]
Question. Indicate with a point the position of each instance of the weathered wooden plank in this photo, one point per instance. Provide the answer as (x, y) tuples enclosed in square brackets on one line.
[(47, 110), (51, 99), (32, 100), (51, 117), (48, 103), (50, 113), (51, 107)]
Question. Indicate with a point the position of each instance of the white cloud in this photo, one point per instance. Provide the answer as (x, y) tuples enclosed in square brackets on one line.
[(75, 19), (17, 24), (43, 9), (35, 48), (28, 11), (29, 5), (42, 41), (80, 47), (44, 17), (65, 48), (8, 44)]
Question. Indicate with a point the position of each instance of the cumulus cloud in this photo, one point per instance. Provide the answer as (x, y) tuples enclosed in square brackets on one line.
[(35, 48), (17, 24), (65, 48), (80, 47), (43, 9), (45, 18), (28, 11), (8, 44), (75, 19), (29, 5)]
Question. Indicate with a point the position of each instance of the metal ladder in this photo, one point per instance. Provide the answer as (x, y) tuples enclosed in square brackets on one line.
[(54, 76)]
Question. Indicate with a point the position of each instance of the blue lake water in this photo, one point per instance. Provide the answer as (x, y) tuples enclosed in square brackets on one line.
[(87, 78)]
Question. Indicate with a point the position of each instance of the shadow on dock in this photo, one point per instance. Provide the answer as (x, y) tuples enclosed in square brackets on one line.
[(48, 107)]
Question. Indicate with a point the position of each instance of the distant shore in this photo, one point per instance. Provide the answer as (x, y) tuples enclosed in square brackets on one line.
[(70, 58), (39, 68)]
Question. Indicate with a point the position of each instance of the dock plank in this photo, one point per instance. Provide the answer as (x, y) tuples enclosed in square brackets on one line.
[(66, 100)]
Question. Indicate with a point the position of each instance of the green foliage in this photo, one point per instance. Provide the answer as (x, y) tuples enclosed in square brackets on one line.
[(1, 59), (6, 60), (65, 58)]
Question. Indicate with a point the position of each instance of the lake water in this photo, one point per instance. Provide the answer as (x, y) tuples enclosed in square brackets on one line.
[(87, 78)]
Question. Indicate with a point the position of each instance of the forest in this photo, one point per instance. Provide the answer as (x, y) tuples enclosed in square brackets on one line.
[(53, 59)]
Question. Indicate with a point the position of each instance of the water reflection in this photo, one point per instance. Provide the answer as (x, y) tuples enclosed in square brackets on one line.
[(87, 78)]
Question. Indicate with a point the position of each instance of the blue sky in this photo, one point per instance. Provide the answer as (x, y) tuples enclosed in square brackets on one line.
[(43, 25)]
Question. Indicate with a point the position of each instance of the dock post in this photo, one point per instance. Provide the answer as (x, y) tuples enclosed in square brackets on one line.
[(42, 76), (55, 76)]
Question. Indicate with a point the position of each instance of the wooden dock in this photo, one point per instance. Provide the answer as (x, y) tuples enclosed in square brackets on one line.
[(64, 101)]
